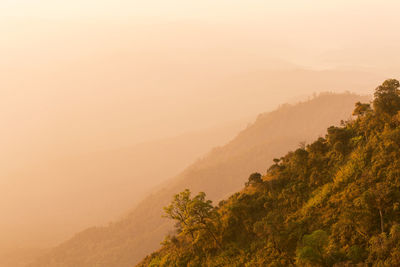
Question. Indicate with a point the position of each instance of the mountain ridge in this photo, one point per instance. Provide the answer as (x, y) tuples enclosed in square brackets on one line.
[(332, 203), (218, 173)]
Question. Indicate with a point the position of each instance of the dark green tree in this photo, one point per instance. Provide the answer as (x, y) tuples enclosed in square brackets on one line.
[(254, 179), (387, 97), (361, 109), (313, 249)]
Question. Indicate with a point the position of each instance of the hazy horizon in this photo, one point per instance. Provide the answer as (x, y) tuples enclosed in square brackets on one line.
[(84, 77), (93, 73)]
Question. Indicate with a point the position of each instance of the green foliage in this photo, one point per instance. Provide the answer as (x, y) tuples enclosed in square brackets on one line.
[(387, 97), (193, 216), (346, 183), (222, 171), (254, 179), (362, 109), (155, 262), (313, 249)]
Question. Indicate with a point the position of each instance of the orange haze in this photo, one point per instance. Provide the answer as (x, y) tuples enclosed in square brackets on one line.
[(82, 83)]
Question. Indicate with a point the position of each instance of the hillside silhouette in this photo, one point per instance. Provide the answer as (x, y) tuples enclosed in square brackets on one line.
[(84, 189), (221, 172), (332, 202)]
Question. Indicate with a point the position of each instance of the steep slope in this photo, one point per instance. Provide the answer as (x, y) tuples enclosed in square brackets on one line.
[(221, 172), (334, 202)]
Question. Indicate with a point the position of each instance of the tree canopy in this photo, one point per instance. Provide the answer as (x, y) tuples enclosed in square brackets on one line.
[(334, 202)]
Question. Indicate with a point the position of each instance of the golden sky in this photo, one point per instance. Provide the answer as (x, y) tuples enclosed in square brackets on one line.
[(216, 9), (79, 76), (115, 67)]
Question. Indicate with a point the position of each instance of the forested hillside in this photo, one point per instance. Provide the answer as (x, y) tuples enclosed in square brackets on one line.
[(220, 173), (332, 202)]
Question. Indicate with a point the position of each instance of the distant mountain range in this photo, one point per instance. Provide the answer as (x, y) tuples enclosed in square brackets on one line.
[(329, 203), (221, 172), (76, 192)]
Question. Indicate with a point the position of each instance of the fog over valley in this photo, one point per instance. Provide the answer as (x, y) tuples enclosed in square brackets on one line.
[(105, 103)]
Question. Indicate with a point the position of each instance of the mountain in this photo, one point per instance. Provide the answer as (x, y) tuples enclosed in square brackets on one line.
[(78, 191), (220, 173), (332, 202)]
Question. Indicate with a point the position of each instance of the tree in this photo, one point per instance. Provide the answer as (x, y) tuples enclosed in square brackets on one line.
[(178, 211), (194, 216), (313, 250), (361, 109), (346, 183), (380, 198), (387, 97), (384, 249), (255, 178)]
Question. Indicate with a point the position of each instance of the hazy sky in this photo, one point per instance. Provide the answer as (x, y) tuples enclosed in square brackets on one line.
[(78, 76), (222, 9), (100, 73), (311, 28)]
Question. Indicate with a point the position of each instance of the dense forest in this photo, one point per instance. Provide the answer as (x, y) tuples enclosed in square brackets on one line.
[(332, 202), (219, 174)]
